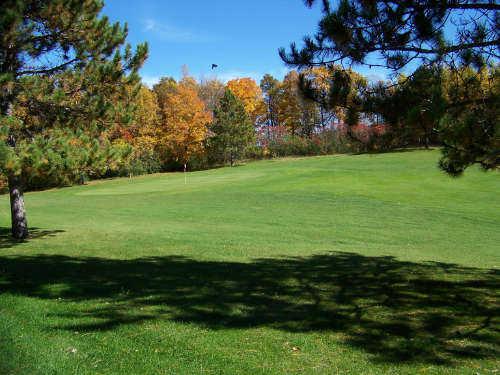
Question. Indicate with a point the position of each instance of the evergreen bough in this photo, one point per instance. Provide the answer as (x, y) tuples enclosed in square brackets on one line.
[(66, 66)]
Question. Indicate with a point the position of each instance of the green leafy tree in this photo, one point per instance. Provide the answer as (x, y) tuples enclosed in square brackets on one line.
[(67, 60), (232, 130)]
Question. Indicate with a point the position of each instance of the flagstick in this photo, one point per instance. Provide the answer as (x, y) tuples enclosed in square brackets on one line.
[(185, 176)]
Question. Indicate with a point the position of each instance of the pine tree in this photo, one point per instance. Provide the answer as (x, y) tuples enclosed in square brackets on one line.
[(342, 92), (232, 130), (470, 128), (433, 33), (318, 80), (401, 32), (66, 58)]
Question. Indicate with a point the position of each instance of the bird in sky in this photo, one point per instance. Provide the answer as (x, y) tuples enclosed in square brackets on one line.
[(214, 66)]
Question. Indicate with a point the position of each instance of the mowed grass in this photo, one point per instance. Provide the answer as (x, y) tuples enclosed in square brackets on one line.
[(371, 264)]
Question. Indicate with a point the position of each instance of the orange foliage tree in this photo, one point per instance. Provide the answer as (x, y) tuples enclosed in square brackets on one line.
[(183, 126), (250, 94)]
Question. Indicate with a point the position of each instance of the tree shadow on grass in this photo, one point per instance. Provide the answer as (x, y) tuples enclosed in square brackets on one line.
[(7, 241), (397, 311)]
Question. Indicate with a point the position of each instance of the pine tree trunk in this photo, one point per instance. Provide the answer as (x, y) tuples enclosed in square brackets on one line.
[(18, 213)]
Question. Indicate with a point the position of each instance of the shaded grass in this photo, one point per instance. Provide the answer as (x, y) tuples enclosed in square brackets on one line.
[(365, 264), (400, 311)]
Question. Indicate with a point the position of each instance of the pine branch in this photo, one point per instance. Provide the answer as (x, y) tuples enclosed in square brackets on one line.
[(47, 70)]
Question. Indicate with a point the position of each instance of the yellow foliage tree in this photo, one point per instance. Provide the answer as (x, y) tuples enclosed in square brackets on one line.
[(289, 103), (166, 86), (144, 129), (250, 94), (146, 113)]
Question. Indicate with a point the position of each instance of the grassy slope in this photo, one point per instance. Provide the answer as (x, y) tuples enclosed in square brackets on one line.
[(348, 264)]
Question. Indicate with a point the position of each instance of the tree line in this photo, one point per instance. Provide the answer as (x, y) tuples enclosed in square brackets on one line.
[(190, 124)]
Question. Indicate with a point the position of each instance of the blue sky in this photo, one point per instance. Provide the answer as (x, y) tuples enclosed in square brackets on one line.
[(242, 37)]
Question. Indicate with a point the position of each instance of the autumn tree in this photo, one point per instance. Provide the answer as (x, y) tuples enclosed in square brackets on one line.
[(285, 105), (187, 79), (289, 103), (250, 94), (142, 133), (75, 52), (145, 113), (183, 124), (165, 87), (232, 130), (211, 91)]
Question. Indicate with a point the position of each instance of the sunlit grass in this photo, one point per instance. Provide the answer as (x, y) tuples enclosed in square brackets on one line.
[(344, 264)]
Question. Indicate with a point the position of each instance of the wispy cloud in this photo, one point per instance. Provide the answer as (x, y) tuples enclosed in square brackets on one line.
[(175, 34)]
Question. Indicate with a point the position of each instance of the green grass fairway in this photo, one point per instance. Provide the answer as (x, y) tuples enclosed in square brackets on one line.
[(371, 264)]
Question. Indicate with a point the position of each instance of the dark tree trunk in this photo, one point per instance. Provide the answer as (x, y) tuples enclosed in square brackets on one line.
[(18, 213)]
